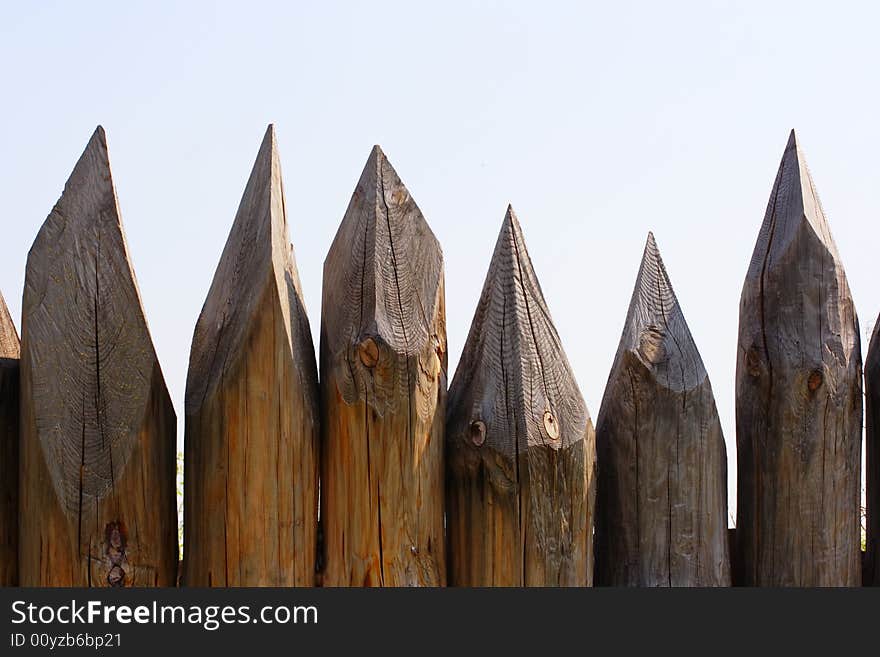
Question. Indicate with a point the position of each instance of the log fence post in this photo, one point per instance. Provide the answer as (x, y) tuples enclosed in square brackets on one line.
[(251, 448), (97, 492), (798, 398), (520, 443), (383, 388), (662, 491)]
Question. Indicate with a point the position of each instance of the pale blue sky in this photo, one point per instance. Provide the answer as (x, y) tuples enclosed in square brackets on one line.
[(597, 121)]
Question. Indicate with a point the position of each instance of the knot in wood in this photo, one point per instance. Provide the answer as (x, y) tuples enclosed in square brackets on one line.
[(368, 352), (114, 537), (478, 432), (651, 345), (814, 380), (399, 196), (551, 426)]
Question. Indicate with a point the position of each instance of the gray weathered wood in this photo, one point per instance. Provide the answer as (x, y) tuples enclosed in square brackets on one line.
[(662, 489), (251, 484), (9, 360), (520, 443), (383, 387), (97, 425), (872, 458), (798, 398)]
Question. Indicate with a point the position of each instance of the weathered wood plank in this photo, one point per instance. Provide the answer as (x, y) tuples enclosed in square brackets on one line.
[(251, 480), (520, 443), (662, 489), (383, 387), (9, 373), (97, 424), (872, 458), (798, 398)]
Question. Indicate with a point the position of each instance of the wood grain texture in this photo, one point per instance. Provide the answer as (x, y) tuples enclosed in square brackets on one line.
[(383, 387), (871, 576), (9, 374), (251, 455), (520, 443), (662, 489), (798, 398), (97, 424)]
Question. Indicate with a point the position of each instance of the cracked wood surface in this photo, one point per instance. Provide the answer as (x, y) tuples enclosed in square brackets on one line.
[(251, 484), (798, 398), (97, 424), (9, 368), (383, 387), (872, 457), (662, 488), (520, 443)]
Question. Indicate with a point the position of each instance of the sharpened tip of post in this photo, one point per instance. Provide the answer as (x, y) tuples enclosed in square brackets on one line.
[(652, 272), (99, 137), (791, 156), (652, 252), (269, 138), (374, 162), (267, 156), (510, 225), (510, 218)]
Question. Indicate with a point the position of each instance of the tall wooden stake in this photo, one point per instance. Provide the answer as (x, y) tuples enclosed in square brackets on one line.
[(798, 398), (662, 492), (521, 446), (383, 387), (97, 425), (9, 361), (251, 453)]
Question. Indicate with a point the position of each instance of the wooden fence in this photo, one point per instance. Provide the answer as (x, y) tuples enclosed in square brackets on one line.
[(503, 483)]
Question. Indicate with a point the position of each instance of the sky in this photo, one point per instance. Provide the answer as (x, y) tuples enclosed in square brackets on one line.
[(597, 121)]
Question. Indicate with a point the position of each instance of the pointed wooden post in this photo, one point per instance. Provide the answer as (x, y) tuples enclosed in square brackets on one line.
[(798, 398), (662, 491), (520, 443), (9, 359), (383, 387), (251, 454), (97, 425), (872, 458)]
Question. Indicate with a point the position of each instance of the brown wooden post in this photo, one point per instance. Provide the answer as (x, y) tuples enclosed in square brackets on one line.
[(872, 458), (9, 360), (798, 398), (662, 489), (383, 387), (520, 443), (251, 454), (98, 503)]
